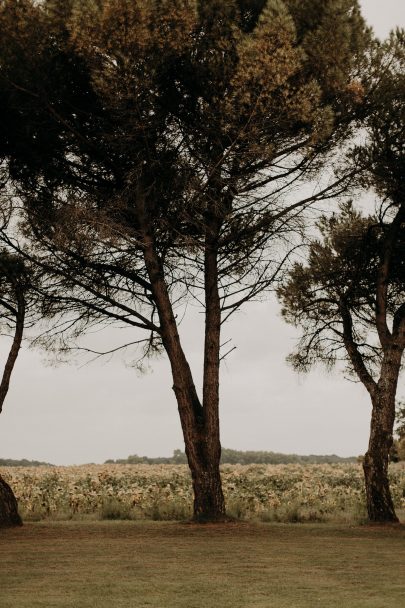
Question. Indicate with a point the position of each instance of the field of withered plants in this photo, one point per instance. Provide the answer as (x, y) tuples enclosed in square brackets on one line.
[(285, 493)]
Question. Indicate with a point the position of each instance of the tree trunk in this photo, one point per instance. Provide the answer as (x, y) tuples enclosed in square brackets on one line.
[(209, 503), (199, 424), (380, 506), (203, 451), (8, 507), (15, 348), (8, 504), (209, 476)]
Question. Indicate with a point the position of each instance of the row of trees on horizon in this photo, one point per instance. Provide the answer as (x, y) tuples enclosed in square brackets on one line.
[(156, 153), (228, 456)]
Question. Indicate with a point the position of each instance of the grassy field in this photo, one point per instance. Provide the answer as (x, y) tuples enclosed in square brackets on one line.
[(161, 564)]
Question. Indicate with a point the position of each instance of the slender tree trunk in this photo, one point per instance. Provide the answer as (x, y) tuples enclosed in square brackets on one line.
[(200, 431), (8, 507), (212, 360), (8, 504), (380, 506), (15, 348)]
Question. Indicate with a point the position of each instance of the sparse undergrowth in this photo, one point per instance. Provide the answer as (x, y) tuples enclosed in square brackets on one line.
[(267, 493)]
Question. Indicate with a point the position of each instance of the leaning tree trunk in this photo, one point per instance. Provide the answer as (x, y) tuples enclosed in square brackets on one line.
[(15, 347), (8, 504), (8, 507), (380, 506), (200, 424)]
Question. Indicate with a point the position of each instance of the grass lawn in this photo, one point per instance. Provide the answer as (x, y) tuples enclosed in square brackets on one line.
[(172, 565)]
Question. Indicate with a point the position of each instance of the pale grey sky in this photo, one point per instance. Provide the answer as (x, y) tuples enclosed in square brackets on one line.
[(67, 415)]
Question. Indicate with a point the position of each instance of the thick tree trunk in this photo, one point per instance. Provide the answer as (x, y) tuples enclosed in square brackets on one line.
[(380, 506), (209, 503), (203, 451), (8, 507), (200, 424)]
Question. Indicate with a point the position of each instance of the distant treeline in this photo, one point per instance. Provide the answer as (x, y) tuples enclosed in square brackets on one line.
[(8, 462), (228, 457), (238, 457)]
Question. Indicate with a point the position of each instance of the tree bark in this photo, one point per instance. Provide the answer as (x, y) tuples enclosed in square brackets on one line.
[(15, 347), (380, 506), (212, 361), (9, 516), (200, 424), (8, 504), (200, 432)]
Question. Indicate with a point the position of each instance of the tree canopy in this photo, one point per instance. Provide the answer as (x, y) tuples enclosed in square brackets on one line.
[(350, 295), (156, 148), (353, 287)]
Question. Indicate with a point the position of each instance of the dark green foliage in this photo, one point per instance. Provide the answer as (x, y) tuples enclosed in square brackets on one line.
[(343, 265), (181, 104), (9, 462), (153, 146), (253, 457), (343, 275), (239, 457), (385, 153), (350, 296), (178, 457)]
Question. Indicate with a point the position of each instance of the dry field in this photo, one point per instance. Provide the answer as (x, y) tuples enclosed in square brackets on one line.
[(283, 493), (127, 564)]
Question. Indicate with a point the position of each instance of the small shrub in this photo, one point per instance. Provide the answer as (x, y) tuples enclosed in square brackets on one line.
[(292, 513), (35, 514), (173, 510), (237, 509), (114, 509)]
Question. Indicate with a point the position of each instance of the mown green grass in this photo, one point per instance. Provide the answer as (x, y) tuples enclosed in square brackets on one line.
[(136, 564), (159, 565)]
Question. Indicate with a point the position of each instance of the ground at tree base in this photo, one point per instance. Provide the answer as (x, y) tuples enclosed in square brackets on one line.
[(236, 565), (9, 515)]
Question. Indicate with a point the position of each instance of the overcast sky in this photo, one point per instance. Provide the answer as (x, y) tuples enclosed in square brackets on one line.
[(67, 415)]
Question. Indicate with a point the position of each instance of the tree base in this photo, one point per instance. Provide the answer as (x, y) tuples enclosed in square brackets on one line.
[(9, 516), (381, 519), (217, 519), (380, 506)]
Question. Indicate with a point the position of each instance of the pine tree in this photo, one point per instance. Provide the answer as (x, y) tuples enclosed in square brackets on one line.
[(154, 143)]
